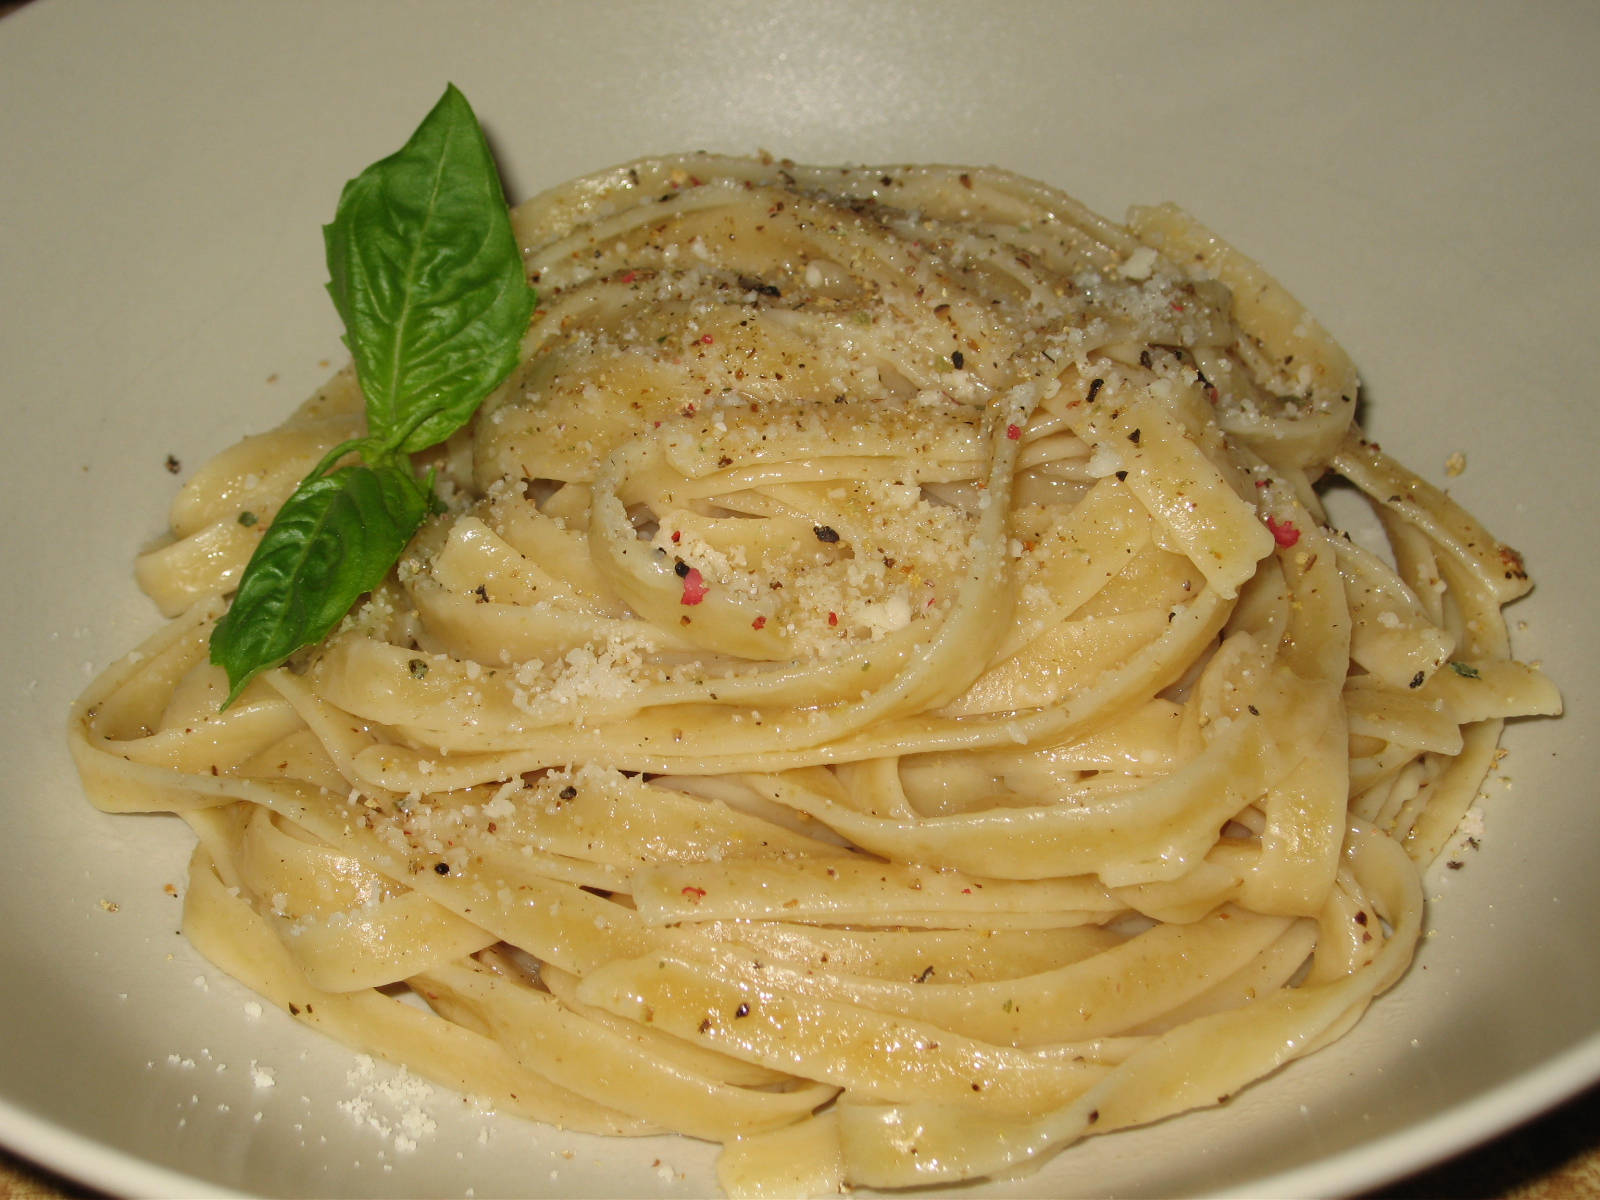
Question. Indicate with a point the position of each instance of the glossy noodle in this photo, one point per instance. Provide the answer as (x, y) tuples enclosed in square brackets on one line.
[(885, 694)]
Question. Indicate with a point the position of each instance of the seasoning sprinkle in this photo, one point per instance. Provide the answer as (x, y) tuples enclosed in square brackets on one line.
[(1283, 532)]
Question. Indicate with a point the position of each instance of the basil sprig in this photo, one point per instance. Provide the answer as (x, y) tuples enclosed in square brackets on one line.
[(425, 272)]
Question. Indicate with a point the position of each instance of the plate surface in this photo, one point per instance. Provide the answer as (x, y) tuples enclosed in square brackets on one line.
[(1422, 176)]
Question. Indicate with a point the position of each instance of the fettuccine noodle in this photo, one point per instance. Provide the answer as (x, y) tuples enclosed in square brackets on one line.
[(885, 695)]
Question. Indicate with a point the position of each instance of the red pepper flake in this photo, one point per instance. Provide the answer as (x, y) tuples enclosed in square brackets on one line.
[(677, 536), (1283, 532), (706, 339), (1211, 394), (695, 893), (1014, 432), (629, 277), (694, 586), (1176, 307), (759, 623), (1261, 483), (833, 618), (1511, 561)]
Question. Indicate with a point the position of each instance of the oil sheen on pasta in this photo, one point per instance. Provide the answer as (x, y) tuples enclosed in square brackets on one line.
[(884, 695)]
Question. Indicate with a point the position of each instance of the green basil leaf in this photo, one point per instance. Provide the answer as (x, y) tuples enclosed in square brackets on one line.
[(334, 539), (426, 273)]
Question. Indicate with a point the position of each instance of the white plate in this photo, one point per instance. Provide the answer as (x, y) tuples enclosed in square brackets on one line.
[(1422, 176)]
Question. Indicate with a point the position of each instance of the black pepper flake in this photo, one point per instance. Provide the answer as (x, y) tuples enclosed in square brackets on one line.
[(1121, 476), (1094, 388), (173, 465), (825, 533), (742, 1011), (1134, 437), (441, 868), (1145, 360), (759, 287), (1254, 711), (1094, 1115), (958, 360), (1361, 918), (927, 973), (1418, 680), (681, 569), (568, 792), (418, 668), (294, 1009), (482, 593)]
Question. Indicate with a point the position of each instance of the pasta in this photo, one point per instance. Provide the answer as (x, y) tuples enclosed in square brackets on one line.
[(884, 693)]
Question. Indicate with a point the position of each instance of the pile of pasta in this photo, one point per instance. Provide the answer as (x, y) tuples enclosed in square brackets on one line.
[(883, 695)]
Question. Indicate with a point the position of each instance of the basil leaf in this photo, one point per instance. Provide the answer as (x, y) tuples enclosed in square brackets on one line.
[(334, 538), (426, 273)]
